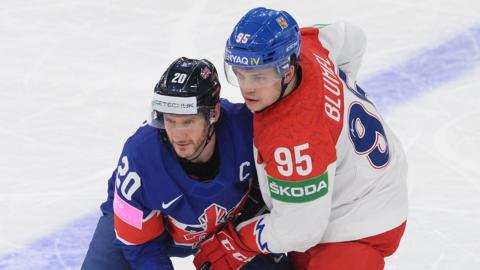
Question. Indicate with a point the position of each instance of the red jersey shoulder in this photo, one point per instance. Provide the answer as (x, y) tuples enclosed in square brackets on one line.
[(296, 137), (317, 66)]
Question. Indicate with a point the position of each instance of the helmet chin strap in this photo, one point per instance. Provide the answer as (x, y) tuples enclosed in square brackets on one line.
[(199, 151), (284, 87), (295, 78)]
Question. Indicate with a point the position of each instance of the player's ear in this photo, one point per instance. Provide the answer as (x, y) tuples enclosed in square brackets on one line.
[(214, 114), (292, 69), (217, 112), (289, 75)]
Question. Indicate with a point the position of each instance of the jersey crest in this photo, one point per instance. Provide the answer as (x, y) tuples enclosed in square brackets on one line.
[(192, 234)]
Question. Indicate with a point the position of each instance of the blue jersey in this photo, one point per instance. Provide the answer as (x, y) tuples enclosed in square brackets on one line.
[(157, 206)]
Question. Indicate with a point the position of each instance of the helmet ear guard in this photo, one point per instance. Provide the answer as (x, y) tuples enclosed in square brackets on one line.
[(293, 62), (283, 68), (215, 114), (211, 114)]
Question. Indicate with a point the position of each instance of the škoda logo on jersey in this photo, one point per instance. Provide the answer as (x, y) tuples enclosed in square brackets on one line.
[(298, 191)]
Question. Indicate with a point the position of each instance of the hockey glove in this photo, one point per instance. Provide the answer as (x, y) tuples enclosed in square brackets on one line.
[(223, 251)]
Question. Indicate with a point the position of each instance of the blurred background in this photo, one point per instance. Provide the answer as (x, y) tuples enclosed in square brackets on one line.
[(76, 79)]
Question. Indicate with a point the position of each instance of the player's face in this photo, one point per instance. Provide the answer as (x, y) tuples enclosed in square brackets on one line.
[(186, 133), (260, 88)]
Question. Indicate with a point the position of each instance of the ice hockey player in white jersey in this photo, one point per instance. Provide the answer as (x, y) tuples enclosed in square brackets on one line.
[(331, 171)]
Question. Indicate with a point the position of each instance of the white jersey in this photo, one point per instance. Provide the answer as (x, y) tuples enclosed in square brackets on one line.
[(329, 167)]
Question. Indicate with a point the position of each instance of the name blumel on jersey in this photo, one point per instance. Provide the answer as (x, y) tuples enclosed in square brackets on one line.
[(329, 168)]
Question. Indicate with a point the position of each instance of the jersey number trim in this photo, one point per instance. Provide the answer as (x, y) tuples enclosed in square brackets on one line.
[(367, 134)]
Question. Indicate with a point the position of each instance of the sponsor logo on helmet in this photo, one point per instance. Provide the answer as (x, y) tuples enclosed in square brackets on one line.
[(161, 104), (298, 191), (291, 46), (255, 61), (175, 105), (282, 22), (235, 59), (241, 60)]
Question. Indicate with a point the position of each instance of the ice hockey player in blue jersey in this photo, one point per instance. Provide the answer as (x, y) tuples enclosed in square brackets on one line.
[(180, 177)]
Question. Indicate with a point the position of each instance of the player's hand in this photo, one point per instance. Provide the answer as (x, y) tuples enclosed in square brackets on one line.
[(223, 251)]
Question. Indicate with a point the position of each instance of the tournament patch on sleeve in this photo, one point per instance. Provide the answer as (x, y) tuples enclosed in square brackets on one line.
[(126, 212)]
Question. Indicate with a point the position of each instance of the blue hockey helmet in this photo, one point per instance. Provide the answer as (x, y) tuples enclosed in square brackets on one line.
[(263, 38)]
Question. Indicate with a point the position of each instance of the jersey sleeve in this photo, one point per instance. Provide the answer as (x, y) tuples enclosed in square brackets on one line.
[(139, 229), (346, 44), (300, 212)]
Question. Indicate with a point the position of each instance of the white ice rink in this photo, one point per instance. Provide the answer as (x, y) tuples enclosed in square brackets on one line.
[(76, 78)]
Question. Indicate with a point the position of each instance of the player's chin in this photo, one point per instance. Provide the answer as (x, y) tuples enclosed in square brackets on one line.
[(253, 105), (185, 155), (183, 151)]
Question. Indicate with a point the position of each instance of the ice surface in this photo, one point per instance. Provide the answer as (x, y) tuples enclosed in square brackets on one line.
[(76, 78)]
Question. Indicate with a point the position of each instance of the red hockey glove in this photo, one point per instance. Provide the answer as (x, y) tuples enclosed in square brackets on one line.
[(223, 251)]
